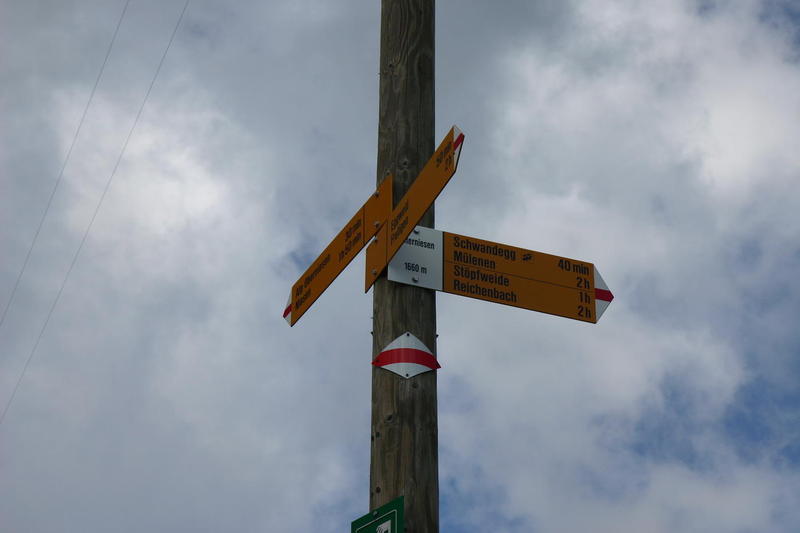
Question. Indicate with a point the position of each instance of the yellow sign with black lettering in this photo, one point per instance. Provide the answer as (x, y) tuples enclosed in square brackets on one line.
[(338, 254), (409, 210), (518, 277)]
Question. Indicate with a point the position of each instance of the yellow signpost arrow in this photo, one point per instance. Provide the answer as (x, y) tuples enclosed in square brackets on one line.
[(338, 254), (408, 212), (501, 273), (523, 278)]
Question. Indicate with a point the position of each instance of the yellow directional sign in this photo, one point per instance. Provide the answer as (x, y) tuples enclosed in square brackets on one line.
[(409, 210), (522, 278), (501, 273), (338, 254)]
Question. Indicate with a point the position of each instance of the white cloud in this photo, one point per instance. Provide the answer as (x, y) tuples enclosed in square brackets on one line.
[(655, 140)]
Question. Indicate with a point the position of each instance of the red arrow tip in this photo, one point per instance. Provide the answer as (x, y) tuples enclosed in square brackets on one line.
[(603, 294)]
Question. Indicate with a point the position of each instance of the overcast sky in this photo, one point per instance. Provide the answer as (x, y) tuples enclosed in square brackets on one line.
[(658, 140)]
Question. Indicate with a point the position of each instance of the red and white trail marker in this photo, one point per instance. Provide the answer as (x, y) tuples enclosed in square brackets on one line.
[(287, 311), (406, 356), (602, 296)]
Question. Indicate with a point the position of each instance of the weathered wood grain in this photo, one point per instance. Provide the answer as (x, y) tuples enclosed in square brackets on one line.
[(404, 457)]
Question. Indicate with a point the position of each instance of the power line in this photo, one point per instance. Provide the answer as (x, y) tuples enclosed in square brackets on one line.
[(94, 215), (63, 165)]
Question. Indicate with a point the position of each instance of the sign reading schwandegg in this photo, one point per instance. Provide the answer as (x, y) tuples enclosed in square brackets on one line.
[(502, 273)]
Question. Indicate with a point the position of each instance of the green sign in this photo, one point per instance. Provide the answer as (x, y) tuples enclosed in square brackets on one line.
[(385, 519)]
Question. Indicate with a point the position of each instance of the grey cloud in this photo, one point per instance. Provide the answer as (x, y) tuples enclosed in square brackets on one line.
[(169, 393)]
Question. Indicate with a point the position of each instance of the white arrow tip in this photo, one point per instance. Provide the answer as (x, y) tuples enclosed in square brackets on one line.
[(458, 142), (287, 311), (602, 296)]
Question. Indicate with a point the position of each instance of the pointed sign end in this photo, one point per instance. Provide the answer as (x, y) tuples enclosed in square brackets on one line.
[(602, 296), (458, 141), (287, 311)]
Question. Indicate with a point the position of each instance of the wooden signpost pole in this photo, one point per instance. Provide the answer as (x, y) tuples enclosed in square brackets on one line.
[(404, 451)]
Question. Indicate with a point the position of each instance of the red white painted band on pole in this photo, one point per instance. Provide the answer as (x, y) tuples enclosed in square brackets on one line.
[(407, 357)]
